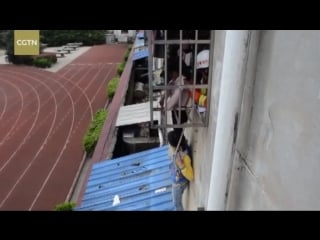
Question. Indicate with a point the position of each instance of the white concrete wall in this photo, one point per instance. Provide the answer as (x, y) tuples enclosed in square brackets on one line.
[(280, 167), (123, 37), (117, 32), (132, 33), (202, 138), (233, 77)]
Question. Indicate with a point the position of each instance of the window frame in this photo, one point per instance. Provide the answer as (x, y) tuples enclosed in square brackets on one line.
[(204, 117)]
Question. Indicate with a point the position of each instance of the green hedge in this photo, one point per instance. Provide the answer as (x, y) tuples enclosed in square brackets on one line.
[(121, 68), (93, 132), (112, 87), (42, 62), (113, 84), (48, 55), (125, 59), (126, 55), (66, 206)]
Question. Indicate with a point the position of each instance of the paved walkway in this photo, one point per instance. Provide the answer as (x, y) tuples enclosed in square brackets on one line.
[(68, 58), (62, 61)]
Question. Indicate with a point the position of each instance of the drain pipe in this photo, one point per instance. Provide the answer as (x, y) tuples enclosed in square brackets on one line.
[(160, 137), (231, 91)]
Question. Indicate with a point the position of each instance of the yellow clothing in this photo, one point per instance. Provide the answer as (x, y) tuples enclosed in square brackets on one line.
[(185, 167), (200, 97), (187, 170)]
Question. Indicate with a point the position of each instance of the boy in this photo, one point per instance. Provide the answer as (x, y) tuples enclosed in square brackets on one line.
[(180, 167)]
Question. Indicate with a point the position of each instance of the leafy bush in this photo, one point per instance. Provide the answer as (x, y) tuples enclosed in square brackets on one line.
[(42, 62), (93, 132), (121, 68), (48, 55), (126, 55), (125, 59), (66, 206), (44, 59), (112, 87)]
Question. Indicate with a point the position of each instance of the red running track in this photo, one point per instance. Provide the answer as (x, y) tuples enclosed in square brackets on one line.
[(43, 118)]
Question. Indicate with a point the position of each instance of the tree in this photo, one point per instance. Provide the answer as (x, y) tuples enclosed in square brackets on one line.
[(61, 37)]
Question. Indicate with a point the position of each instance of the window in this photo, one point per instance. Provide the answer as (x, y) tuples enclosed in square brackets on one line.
[(180, 69)]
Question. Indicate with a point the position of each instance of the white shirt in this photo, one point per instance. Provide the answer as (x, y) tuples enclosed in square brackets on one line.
[(173, 94)]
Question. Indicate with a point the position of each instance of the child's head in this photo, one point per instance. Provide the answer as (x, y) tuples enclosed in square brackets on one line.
[(173, 139)]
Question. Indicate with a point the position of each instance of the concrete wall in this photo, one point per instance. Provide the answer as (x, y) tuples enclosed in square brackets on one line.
[(278, 169), (124, 37), (130, 33), (202, 138)]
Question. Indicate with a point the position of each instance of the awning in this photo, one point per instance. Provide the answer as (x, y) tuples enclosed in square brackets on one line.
[(136, 113)]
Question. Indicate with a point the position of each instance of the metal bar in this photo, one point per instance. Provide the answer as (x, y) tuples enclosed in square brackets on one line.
[(195, 69), (150, 71), (182, 86), (186, 41), (165, 80), (209, 77), (180, 77), (200, 124), (184, 108)]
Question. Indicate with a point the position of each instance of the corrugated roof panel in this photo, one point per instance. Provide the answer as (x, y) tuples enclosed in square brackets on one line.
[(140, 181), (140, 52), (136, 113), (139, 43), (139, 48), (140, 35)]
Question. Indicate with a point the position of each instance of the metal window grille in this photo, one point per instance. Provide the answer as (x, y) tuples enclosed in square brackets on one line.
[(172, 49)]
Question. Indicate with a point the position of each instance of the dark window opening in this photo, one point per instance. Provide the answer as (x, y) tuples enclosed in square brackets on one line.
[(135, 138)]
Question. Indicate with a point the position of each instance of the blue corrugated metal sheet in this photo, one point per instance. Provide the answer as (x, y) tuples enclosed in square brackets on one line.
[(139, 43), (139, 53), (139, 48), (141, 181), (140, 35)]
